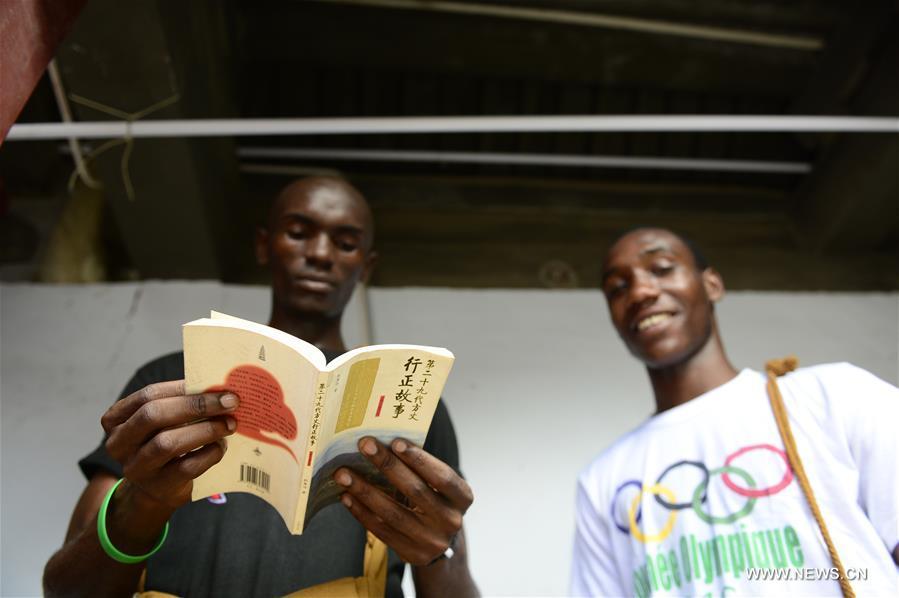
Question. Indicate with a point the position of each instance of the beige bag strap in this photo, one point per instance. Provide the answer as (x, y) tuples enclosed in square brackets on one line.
[(372, 584), (375, 565), (779, 367)]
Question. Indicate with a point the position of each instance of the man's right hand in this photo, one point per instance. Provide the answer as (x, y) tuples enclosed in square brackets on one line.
[(165, 439)]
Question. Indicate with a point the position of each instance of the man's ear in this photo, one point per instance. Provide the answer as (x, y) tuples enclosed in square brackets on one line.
[(261, 246), (370, 260), (713, 283)]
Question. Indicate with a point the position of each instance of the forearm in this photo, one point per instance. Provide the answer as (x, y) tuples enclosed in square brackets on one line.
[(444, 579), (82, 568)]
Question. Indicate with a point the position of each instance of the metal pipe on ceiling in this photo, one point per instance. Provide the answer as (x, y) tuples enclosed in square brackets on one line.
[(263, 127), (561, 160), (607, 21)]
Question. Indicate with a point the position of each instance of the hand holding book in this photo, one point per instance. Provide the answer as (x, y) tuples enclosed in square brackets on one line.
[(164, 438), (437, 498)]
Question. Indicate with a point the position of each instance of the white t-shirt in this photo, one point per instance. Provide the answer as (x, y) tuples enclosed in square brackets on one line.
[(699, 495)]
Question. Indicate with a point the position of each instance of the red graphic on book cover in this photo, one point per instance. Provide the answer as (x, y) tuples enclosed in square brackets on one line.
[(262, 407)]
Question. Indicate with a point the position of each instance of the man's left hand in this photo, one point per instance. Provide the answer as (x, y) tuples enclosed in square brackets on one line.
[(437, 499)]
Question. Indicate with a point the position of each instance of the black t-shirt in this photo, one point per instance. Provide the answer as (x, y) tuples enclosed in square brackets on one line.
[(241, 547)]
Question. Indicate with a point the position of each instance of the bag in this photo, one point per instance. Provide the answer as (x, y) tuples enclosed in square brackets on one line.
[(373, 582)]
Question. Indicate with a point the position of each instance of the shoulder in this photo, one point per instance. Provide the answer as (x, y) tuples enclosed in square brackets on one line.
[(166, 367), (441, 439), (833, 380), (607, 466), (167, 362), (839, 394), (441, 416)]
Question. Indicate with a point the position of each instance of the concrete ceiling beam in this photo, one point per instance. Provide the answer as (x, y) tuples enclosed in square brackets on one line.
[(148, 60)]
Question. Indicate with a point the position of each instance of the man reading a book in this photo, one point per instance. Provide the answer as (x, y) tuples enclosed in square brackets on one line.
[(703, 498), (318, 245)]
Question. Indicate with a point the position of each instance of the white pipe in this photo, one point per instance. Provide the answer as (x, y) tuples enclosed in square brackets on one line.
[(595, 19), (362, 289), (66, 114), (451, 124), (564, 160), (284, 170)]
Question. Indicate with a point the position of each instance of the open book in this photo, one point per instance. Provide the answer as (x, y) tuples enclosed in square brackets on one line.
[(300, 418)]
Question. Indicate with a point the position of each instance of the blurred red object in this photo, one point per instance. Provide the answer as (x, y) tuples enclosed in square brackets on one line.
[(30, 32)]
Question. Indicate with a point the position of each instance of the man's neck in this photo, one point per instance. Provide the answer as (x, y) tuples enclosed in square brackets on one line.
[(709, 368), (321, 331)]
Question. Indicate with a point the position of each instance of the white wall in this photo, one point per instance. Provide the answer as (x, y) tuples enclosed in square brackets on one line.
[(541, 384)]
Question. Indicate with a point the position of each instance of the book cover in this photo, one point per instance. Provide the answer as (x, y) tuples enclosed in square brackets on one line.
[(299, 418)]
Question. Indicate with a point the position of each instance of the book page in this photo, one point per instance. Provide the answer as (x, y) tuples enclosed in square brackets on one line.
[(384, 391), (275, 385), (312, 353), (312, 447)]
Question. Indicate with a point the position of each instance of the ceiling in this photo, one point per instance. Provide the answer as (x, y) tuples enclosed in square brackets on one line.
[(185, 207)]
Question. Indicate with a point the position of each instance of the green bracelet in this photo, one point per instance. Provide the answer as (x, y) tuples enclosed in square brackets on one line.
[(113, 552)]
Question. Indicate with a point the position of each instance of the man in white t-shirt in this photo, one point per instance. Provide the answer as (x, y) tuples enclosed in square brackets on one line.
[(700, 499)]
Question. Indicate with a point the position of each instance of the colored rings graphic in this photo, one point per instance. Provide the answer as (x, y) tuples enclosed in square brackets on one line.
[(747, 508), (639, 486), (752, 492), (683, 505), (699, 500), (655, 489)]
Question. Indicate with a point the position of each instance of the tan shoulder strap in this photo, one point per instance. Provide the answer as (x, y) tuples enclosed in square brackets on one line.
[(374, 567), (779, 367)]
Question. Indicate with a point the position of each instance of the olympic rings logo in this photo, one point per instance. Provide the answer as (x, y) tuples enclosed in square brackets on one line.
[(667, 498)]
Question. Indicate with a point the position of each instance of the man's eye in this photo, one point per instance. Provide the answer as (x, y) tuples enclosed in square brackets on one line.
[(347, 244), (662, 269), (296, 233), (615, 288)]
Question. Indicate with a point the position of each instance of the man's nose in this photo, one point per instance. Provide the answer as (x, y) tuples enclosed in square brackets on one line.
[(644, 287), (320, 249)]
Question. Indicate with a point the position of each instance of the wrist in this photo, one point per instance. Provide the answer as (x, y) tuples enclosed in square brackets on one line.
[(447, 554), (143, 503), (134, 519)]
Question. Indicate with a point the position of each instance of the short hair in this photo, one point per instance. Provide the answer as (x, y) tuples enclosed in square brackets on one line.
[(699, 258), (318, 181), (702, 263)]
